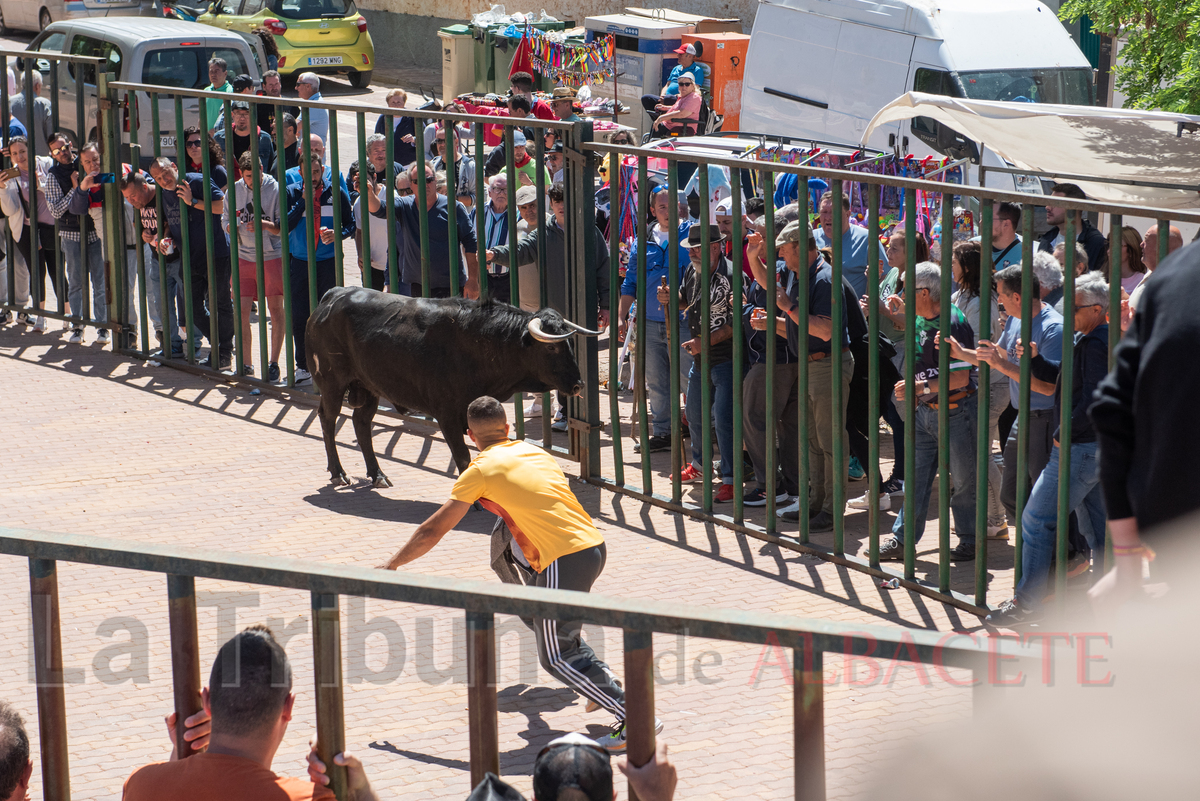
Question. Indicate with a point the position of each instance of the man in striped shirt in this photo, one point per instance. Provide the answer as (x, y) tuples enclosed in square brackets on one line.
[(495, 232)]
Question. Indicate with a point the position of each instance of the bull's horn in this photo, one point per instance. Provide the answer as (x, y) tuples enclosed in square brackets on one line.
[(535, 330), (583, 330)]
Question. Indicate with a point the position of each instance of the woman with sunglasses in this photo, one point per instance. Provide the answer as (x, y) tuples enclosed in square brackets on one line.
[(683, 116), (193, 139)]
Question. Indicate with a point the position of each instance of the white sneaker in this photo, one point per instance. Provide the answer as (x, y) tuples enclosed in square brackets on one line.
[(5, 317), (534, 410), (40, 325), (303, 376), (23, 318), (66, 325), (793, 507), (102, 337), (998, 532), (864, 502), (76, 336), (614, 741)]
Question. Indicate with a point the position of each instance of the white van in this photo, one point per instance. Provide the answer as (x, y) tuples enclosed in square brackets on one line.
[(823, 68), (37, 15), (161, 52)]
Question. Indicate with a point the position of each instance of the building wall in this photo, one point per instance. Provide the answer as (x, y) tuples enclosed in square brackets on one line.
[(405, 31)]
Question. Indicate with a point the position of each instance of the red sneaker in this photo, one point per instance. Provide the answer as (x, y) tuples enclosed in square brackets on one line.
[(724, 494), (689, 475)]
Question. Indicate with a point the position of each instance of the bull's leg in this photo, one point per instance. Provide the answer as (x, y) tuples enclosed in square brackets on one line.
[(453, 429), (328, 410), (363, 415)]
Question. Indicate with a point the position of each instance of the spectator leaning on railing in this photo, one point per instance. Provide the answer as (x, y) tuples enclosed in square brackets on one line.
[(69, 198), (245, 138)]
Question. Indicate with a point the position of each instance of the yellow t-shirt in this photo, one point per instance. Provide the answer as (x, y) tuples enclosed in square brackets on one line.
[(525, 486)]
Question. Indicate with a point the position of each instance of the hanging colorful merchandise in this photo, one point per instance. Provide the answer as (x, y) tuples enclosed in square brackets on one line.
[(570, 64)]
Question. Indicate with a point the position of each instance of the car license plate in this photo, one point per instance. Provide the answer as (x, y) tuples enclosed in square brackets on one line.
[(322, 61), (165, 142)]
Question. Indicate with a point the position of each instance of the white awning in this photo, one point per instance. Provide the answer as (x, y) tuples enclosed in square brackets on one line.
[(1074, 140)]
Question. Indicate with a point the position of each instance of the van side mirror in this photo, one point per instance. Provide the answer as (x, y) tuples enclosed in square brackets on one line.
[(955, 145)]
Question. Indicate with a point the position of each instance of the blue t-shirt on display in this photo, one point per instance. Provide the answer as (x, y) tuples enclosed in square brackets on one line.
[(673, 81), (1047, 332), (1005, 257), (854, 255)]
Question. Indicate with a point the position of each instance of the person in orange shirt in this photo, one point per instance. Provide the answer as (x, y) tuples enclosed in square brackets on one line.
[(555, 545), (249, 699)]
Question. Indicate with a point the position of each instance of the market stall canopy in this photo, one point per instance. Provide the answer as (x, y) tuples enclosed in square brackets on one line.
[(1120, 144)]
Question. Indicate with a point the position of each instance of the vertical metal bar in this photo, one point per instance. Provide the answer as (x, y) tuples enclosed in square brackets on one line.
[(835, 389), (639, 698), (335, 171), (285, 244), (113, 237), (185, 655), (235, 261), (256, 173), (873, 389), (944, 317), (808, 713), (585, 280), (614, 301), (313, 225), (481, 695), (1066, 384), (514, 283), (1023, 405), (35, 243), (910, 385), (327, 675), (11, 288), (739, 464), (1114, 284), (422, 190), (80, 123), (450, 160), (214, 359), (643, 397), (481, 197), (48, 671), (389, 196), (364, 250), (1164, 236), (170, 321), (986, 209), (542, 272), (679, 457), (135, 153), (185, 245), (706, 383)]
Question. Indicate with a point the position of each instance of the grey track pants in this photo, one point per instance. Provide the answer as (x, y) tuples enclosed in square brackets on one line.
[(561, 650)]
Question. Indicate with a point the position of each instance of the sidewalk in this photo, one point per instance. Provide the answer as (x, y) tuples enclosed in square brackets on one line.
[(115, 448)]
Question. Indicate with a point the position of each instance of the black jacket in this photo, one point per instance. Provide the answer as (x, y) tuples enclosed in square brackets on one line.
[(1145, 410), (1092, 240), (556, 263), (1088, 370)]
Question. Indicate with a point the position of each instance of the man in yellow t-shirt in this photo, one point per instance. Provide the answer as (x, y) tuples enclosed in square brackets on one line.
[(555, 544)]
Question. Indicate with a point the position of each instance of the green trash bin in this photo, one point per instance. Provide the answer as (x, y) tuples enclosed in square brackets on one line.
[(485, 58)]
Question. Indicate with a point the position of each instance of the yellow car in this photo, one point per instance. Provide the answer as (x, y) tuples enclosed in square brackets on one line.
[(322, 36)]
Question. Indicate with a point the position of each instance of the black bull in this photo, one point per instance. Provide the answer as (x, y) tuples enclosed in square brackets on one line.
[(429, 355)]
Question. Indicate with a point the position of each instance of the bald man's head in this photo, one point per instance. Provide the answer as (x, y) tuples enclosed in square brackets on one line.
[(1150, 245)]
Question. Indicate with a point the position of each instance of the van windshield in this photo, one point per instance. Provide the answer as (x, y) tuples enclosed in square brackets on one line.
[(312, 9), (1069, 86)]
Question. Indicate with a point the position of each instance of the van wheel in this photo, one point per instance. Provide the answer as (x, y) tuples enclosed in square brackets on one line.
[(44, 19), (361, 80)]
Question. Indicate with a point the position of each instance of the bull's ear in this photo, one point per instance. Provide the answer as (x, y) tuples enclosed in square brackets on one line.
[(527, 339)]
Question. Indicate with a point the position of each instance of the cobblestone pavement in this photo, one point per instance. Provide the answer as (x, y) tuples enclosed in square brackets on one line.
[(103, 445)]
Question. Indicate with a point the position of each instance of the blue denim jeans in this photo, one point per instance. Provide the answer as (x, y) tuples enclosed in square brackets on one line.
[(962, 468), (95, 269), (175, 314), (1039, 521), (658, 375), (722, 416)]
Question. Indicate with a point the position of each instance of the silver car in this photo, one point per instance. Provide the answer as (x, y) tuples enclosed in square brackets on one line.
[(161, 52), (37, 15)]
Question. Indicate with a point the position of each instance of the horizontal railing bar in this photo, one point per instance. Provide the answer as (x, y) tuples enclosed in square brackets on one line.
[(948, 648), (1075, 177), (51, 56), (525, 122), (937, 187)]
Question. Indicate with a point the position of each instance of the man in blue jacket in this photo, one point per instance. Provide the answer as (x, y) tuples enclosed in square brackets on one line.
[(300, 217), (1039, 521), (658, 357)]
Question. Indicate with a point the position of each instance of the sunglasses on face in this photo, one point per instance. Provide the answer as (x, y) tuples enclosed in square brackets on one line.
[(404, 192), (430, 179), (193, 143), (56, 150)]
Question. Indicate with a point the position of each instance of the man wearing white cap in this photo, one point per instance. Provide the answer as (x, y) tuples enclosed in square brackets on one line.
[(688, 54)]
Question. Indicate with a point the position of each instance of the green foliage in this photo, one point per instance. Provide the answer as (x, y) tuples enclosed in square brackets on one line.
[(1161, 58)]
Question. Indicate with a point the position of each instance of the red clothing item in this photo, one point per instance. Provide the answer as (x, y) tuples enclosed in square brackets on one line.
[(492, 134), (541, 110)]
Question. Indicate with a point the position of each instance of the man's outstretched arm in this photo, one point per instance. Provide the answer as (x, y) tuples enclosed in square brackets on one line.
[(429, 533)]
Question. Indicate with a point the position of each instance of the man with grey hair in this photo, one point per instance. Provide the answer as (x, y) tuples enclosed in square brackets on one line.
[(376, 147), (41, 127), (16, 767), (1039, 523), (308, 86), (961, 400), (1050, 277)]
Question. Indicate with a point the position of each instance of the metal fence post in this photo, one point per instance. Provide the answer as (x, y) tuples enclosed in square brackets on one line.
[(986, 209), (639, 699), (48, 671), (327, 675), (808, 711), (947, 309), (481, 695), (185, 654)]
